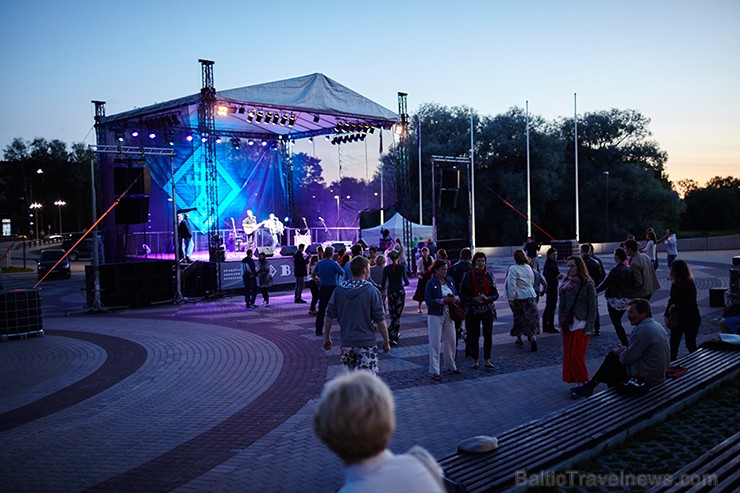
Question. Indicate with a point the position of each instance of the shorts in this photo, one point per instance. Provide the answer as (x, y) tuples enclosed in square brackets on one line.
[(361, 358)]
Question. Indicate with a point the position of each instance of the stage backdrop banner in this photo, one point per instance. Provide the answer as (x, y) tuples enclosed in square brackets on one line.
[(281, 268)]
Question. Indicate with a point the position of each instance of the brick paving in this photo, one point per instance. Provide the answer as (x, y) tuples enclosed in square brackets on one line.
[(211, 397)]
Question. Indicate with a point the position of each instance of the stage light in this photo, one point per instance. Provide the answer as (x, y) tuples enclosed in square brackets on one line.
[(135, 133), (316, 118), (292, 120), (189, 138), (372, 130), (310, 140), (235, 142), (275, 119), (264, 143), (218, 139), (241, 110), (152, 135), (250, 142), (172, 142), (222, 110), (204, 139), (259, 116), (268, 118), (328, 138), (250, 116), (283, 119), (119, 136)]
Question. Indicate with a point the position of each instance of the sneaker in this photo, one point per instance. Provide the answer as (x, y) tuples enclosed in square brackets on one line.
[(301, 301), (581, 391), (475, 365), (436, 378)]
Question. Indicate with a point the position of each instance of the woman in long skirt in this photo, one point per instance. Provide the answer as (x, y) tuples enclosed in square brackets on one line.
[(522, 300)]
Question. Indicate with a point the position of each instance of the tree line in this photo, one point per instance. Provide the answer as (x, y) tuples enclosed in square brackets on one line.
[(623, 186)]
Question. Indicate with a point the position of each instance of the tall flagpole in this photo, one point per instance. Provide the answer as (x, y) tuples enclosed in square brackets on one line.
[(418, 137), (472, 181), (529, 197), (575, 140), (380, 161)]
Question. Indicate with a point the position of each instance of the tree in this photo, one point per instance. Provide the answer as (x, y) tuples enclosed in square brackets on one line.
[(45, 171), (716, 206)]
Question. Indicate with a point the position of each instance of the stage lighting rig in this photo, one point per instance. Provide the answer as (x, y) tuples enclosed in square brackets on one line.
[(275, 118), (241, 110), (222, 110), (316, 118), (235, 143), (119, 136), (135, 133), (259, 116), (291, 122), (250, 116), (283, 119)]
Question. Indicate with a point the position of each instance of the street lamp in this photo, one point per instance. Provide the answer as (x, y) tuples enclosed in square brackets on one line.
[(606, 174), (60, 204), (36, 206)]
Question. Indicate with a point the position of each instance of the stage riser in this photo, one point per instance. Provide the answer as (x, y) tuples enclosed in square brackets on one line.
[(132, 283)]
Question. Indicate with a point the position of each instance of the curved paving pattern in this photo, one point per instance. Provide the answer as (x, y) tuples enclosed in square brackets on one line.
[(223, 399), (123, 358)]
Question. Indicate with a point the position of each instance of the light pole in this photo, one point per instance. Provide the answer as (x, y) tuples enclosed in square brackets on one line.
[(36, 206), (606, 174), (60, 204)]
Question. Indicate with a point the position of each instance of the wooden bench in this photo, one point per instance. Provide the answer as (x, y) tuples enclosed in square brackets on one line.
[(717, 470), (566, 437)]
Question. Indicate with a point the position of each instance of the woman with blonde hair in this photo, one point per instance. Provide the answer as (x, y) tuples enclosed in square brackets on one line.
[(356, 420), (519, 287)]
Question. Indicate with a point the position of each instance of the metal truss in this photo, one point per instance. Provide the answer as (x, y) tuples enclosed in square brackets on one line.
[(404, 166)]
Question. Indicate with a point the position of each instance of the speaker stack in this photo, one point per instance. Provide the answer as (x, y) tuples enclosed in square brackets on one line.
[(20, 313), (449, 188), (134, 207), (132, 283)]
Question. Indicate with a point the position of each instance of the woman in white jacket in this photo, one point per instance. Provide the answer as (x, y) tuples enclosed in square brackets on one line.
[(523, 300)]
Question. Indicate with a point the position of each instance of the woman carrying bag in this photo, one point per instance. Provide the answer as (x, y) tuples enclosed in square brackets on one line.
[(577, 316), (682, 315), (478, 292)]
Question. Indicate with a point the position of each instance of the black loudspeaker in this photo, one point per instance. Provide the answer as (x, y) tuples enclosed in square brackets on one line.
[(134, 207), (289, 250), (448, 198), (132, 283), (133, 210), (362, 242), (268, 251), (311, 249), (124, 176), (450, 178), (198, 279)]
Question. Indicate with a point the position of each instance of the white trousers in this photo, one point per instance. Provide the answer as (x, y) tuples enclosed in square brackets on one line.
[(441, 328)]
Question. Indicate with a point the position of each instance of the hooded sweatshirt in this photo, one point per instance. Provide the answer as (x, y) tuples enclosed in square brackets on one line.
[(357, 305)]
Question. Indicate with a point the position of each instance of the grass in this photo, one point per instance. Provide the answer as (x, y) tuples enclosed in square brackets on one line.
[(10, 270)]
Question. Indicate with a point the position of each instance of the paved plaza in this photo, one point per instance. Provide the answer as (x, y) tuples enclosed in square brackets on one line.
[(209, 396)]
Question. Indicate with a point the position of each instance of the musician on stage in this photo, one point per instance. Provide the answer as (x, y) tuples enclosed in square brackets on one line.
[(276, 229), (249, 225)]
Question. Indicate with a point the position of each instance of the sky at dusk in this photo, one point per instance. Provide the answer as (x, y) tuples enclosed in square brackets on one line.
[(675, 61)]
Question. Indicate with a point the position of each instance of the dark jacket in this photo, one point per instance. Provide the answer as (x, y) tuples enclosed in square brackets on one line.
[(467, 293), (617, 283), (299, 264), (184, 229), (550, 272), (595, 269), (433, 295), (458, 271), (683, 297)]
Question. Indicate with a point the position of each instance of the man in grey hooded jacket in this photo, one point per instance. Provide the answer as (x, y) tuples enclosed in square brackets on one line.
[(357, 305)]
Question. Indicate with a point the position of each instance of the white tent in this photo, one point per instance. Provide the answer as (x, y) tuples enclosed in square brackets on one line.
[(395, 226)]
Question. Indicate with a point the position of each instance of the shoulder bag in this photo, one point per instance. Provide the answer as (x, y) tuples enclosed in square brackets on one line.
[(567, 315)]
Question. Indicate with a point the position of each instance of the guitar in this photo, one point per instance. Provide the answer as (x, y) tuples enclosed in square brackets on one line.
[(251, 228)]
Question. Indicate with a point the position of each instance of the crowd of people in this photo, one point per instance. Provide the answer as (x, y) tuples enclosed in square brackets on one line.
[(365, 292)]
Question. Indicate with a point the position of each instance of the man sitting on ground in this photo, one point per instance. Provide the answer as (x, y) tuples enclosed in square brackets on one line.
[(645, 358)]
